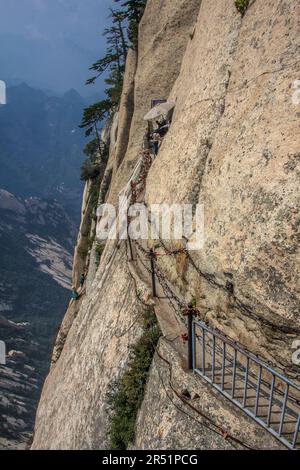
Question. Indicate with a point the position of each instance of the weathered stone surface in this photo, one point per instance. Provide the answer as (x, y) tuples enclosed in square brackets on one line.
[(73, 410), (80, 254), (203, 421), (164, 33), (126, 108), (233, 146), (64, 329)]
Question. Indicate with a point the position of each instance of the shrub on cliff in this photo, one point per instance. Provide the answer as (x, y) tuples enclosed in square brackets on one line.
[(122, 34), (89, 170), (242, 6), (127, 394), (133, 10)]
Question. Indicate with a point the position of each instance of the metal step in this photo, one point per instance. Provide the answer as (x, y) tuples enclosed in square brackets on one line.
[(265, 395)]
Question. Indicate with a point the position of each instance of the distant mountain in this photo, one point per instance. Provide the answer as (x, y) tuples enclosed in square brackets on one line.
[(41, 152), (36, 238), (41, 146), (45, 63), (20, 383)]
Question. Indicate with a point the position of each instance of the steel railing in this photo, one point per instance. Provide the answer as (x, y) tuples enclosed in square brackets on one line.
[(265, 395)]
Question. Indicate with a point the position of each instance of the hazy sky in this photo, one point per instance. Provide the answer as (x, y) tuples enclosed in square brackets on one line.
[(51, 43)]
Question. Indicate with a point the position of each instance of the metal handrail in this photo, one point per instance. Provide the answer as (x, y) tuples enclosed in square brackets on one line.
[(252, 356), (257, 383), (284, 403)]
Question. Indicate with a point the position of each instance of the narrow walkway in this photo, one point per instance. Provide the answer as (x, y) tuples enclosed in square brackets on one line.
[(172, 328), (265, 395)]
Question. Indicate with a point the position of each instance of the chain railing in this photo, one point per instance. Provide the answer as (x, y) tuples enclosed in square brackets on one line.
[(268, 397), (264, 394)]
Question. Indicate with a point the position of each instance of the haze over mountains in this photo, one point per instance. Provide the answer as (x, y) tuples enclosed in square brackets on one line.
[(50, 44), (42, 146), (46, 48), (36, 238), (41, 151)]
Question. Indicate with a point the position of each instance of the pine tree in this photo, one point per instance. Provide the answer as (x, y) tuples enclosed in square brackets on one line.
[(92, 116), (91, 149), (133, 11), (122, 34), (116, 51), (118, 19)]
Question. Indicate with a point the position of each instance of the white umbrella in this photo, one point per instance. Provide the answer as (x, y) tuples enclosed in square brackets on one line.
[(161, 109)]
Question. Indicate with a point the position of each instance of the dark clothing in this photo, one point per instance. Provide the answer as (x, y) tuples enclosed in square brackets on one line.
[(75, 295), (156, 146), (162, 130)]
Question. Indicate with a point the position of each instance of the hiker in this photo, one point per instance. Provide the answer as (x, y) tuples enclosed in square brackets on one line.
[(155, 142), (161, 124), (82, 279), (162, 129), (75, 295)]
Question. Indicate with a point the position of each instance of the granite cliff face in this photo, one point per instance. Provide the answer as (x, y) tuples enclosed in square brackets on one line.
[(234, 146)]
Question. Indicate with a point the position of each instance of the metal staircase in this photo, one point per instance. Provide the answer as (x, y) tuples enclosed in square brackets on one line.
[(268, 397)]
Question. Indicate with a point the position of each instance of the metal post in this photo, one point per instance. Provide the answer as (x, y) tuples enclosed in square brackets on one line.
[(258, 391), (223, 365), (203, 351), (271, 401), (130, 249), (296, 432), (129, 239), (283, 409), (234, 373), (191, 339), (246, 382), (152, 257), (213, 359)]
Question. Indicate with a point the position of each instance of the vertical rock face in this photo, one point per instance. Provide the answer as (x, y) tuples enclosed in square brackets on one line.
[(126, 108), (164, 33), (233, 145), (73, 413), (178, 423), (94, 344)]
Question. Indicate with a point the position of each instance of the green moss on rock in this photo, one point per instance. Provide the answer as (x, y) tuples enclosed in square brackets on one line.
[(126, 395)]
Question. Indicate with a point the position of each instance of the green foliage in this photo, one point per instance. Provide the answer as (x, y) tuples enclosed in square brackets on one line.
[(93, 115), (127, 394), (91, 149), (96, 149), (114, 91), (133, 10), (84, 250), (97, 154), (118, 19), (242, 6), (122, 34), (94, 194), (89, 170)]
